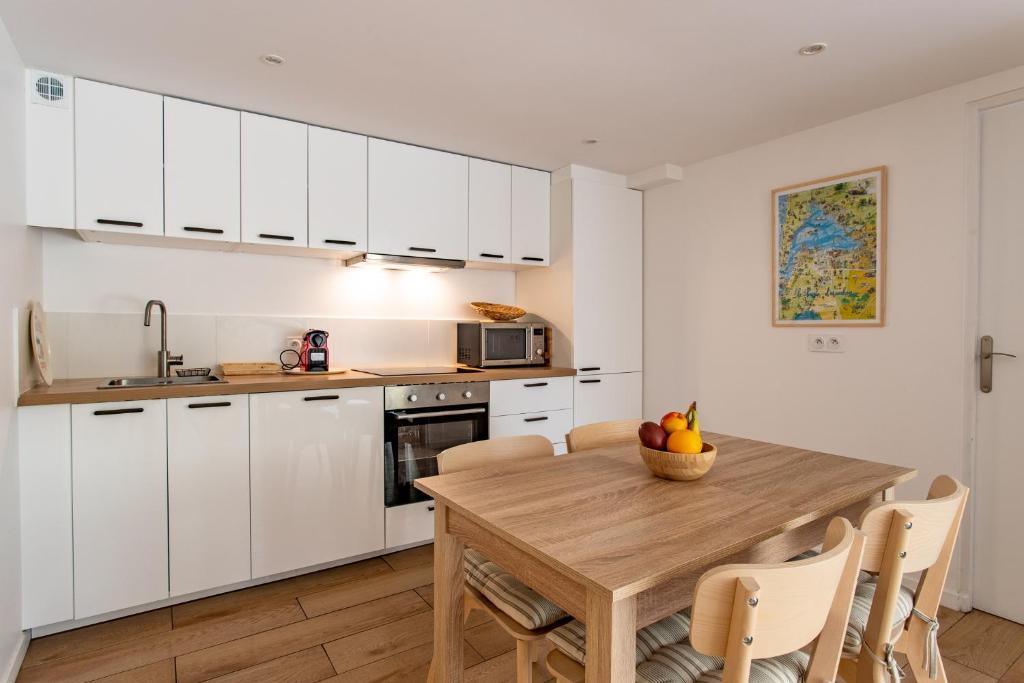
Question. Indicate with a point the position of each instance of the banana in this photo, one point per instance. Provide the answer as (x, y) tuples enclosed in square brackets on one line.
[(692, 421)]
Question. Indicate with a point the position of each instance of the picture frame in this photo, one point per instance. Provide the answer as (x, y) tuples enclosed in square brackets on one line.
[(828, 251)]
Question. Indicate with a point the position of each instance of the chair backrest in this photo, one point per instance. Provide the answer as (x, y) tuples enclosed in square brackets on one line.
[(600, 434), (745, 612), (905, 537), (493, 451)]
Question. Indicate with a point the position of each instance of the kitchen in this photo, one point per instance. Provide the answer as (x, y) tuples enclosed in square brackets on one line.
[(262, 317)]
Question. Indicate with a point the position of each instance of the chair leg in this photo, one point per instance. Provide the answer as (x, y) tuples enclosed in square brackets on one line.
[(916, 662), (524, 661)]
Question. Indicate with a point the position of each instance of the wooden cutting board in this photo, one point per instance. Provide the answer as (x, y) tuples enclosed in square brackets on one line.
[(232, 369)]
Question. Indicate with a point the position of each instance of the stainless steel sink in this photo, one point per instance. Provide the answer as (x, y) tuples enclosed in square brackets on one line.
[(135, 382)]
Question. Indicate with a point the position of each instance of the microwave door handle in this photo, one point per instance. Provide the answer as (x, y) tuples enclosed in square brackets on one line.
[(402, 415)]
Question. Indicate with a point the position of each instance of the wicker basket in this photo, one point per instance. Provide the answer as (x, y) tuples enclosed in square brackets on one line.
[(498, 312), (679, 466)]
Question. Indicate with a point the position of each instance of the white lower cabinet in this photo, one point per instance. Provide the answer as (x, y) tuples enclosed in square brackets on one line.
[(317, 477), (208, 492), (409, 524), (599, 398), (554, 425), (47, 567), (540, 405), (119, 491)]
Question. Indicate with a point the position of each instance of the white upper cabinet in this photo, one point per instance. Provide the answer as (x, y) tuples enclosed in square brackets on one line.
[(418, 201), (607, 278), (531, 216), (317, 473), (490, 212), (208, 492), (119, 181), (274, 164), (201, 171), (337, 190), (119, 491)]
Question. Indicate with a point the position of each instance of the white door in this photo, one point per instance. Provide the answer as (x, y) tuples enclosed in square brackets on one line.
[(490, 211), (337, 190), (317, 473), (119, 503), (208, 492), (201, 171), (600, 398), (418, 201), (119, 173), (274, 160), (999, 505), (607, 278), (531, 216)]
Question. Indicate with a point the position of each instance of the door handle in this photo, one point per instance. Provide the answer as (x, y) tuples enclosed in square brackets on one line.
[(987, 353)]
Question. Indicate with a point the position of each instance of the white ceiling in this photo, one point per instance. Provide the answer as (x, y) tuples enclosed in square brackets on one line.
[(526, 80)]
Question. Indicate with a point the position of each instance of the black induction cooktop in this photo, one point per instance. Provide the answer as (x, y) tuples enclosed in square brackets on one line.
[(435, 370)]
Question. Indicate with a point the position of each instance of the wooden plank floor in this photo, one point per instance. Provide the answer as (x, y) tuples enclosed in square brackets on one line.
[(367, 622)]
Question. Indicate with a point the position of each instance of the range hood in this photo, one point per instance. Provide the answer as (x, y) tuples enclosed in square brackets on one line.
[(394, 262)]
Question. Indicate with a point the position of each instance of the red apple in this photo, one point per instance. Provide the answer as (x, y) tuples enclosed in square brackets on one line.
[(673, 421), (653, 436)]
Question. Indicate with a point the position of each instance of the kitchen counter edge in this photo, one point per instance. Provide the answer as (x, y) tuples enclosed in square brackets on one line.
[(85, 390)]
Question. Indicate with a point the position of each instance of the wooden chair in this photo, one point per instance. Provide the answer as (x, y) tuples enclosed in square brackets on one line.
[(757, 617), (528, 640), (600, 434), (904, 537)]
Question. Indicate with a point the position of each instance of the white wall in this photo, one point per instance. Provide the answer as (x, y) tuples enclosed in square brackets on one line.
[(896, 395), (19, 281)]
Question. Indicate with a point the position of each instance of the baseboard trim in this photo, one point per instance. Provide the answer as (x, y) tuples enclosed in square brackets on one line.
[(14, 666), (961, 602)]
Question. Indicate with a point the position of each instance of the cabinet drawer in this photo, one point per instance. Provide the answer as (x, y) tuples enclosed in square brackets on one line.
[(408, 524), (554, 425), (516, 396)]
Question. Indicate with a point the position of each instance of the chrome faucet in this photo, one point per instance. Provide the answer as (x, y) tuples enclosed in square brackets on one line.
[(164, 359)]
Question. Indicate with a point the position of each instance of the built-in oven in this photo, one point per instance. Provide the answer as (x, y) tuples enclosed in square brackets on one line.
[(421, 421)]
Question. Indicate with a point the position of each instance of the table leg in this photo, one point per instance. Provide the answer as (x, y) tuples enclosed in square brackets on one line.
[(611, 639), (446, 666)]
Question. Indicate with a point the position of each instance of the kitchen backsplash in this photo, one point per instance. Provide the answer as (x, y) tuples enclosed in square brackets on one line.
[(115, 344)]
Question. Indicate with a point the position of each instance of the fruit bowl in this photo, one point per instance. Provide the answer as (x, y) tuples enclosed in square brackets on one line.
[(679, 466)]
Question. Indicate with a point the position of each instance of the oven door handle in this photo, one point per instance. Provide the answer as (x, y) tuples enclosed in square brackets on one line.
[(436, 413)]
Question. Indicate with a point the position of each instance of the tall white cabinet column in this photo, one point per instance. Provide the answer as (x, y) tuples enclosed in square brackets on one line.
[(592, 295)]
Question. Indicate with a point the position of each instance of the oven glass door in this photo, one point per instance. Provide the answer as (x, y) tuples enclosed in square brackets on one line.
[(506, 343), (414, 438)]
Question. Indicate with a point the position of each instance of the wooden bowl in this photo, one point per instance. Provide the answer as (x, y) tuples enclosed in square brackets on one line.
[(679, 466), (498, 312)]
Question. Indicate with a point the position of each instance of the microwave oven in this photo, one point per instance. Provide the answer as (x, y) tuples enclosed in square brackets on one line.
[(489, 345)]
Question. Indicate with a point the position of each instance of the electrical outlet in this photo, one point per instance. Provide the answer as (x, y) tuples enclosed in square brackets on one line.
[(835, 343), (817, 342)]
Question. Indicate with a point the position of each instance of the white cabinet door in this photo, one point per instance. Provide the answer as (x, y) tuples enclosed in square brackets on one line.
[(119, 475), (317, 473), (490, 212), (47, 567), (553, 424), (273, 181), (208, 492), (201, 171), (337, 190), (599, 398), (531, 216), (119, 173), (514, 396), (607, 278), (418, 201), (410, 524)]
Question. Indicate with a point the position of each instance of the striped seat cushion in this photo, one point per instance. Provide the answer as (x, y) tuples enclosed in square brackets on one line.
[(861, 608), (529, 608), (571, 639), (664, 655)]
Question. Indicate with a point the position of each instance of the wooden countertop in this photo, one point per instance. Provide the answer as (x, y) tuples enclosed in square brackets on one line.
[(85, 390)]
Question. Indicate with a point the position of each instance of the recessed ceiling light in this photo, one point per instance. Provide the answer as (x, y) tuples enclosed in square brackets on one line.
[(590, 141), (813, 49), (272, 60)]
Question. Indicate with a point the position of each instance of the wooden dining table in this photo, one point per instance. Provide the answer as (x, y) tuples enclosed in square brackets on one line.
[(599, 535)]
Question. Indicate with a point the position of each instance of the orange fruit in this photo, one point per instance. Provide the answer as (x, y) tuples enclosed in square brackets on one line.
[(685, 441)]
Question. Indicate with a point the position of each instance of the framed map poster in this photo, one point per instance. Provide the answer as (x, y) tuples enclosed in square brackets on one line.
[(828, 251)]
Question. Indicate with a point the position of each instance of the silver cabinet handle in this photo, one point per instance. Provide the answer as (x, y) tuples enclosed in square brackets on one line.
[(987, 353), (437, 413)]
